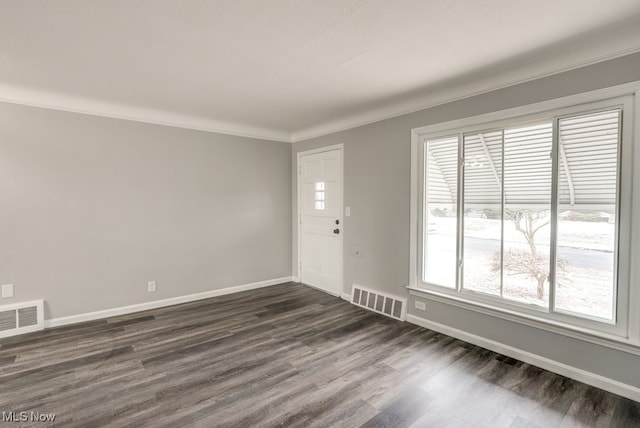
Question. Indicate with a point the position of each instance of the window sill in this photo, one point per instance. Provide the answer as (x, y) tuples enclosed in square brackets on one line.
[(575, 332)]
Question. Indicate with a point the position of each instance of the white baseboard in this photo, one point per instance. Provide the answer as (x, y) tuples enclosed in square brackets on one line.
[(346, 295), (107, 313), (584, 376), (295, 279)]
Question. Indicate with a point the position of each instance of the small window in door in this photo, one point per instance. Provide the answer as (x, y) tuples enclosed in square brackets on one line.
[(319, 196)]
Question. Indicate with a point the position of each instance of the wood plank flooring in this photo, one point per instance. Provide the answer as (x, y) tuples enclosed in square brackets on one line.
[(286, 355)]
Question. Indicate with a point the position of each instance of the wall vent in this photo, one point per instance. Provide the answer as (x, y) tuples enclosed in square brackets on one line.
[(20, 318), (381, 303)]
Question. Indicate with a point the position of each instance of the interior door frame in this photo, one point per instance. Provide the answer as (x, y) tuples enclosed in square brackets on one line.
[(298, 218)]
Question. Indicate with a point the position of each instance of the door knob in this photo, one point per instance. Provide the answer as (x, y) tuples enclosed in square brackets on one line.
[(336, 231)]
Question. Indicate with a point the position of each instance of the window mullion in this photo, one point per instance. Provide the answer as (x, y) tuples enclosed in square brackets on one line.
[(502, 220), (422, 165), (460, 224), (553, 239), (561, 164)]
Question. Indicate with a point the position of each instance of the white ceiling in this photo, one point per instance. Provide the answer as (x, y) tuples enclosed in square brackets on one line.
[(292, 69)]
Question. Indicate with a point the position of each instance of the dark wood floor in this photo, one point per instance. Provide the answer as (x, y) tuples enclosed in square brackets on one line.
[(286, 355)]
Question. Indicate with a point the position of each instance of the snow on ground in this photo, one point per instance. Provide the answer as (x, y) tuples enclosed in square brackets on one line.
[(580, 289)]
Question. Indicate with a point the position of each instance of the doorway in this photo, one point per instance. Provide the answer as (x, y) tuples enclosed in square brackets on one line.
[(320, 222)]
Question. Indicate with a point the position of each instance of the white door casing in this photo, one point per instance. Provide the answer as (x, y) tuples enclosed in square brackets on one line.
[(320, 228)]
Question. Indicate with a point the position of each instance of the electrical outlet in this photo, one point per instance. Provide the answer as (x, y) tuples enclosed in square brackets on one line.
[(7, 291), (151, 286), (420, 305)]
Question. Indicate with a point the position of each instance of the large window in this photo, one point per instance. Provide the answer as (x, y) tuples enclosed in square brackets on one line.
[(523, 214)]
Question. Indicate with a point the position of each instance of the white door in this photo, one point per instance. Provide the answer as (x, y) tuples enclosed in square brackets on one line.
[(320, 212)]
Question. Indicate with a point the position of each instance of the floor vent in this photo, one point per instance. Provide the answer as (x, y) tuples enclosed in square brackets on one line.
[(382, 303), (20, 318)]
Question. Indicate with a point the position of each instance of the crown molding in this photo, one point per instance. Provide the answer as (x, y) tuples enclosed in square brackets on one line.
[(431, 97), (449, 93), (69, 103)]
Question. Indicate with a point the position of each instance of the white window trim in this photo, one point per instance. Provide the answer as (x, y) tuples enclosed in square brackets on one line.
[(609, 328), (626, 337)]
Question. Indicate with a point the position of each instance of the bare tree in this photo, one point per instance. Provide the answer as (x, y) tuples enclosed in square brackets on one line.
[(521, 262), (528, 223)]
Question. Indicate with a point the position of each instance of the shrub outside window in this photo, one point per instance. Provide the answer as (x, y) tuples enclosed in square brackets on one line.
[(529, 214)]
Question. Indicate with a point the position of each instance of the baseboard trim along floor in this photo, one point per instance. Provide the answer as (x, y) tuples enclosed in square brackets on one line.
[(587, 377), (584, 376), (124, 310), (287, 355)]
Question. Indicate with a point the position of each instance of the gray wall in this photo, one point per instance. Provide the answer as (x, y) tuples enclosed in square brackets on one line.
[(377, 188), (92, 208)]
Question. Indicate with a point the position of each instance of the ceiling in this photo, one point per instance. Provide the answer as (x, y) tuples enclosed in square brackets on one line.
[(292, 69)]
